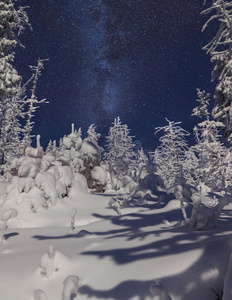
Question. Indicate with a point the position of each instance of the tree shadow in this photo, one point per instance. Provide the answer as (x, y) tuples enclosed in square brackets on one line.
[(80, 234), (9, 235), (206, 273), (202, 280), (134, 224), (133, 227), (172, 245), (124, 291)]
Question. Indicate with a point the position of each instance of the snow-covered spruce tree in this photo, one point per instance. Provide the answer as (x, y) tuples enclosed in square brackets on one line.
[(12, 22), (202, 108), (68, 152), (93, 136), (10, 143), (40, 180), (119, 151), (220, 50), (82, 156), (171, 153), (211, 153), (91, 157), (33, 103)]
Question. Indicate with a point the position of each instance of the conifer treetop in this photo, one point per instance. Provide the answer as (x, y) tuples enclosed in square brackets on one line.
[(202, 109)]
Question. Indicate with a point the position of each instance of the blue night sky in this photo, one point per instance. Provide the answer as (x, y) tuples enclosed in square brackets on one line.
[(141, 60)]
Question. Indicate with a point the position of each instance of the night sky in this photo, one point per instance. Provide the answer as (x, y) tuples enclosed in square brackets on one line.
[(141, 60)]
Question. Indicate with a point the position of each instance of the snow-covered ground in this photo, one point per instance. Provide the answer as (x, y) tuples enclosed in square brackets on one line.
[(115, 257)]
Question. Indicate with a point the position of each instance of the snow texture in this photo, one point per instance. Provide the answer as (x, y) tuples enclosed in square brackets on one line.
[(227, 290), (40, 295)]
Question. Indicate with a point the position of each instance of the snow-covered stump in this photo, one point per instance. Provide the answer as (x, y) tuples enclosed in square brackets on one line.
[(39, 295), (73, 219), (70, 287), (51, 262), (47, 263), (158, 291), (5, 217), (227, 289)]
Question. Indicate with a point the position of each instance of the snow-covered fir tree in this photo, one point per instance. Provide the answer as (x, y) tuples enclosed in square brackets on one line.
[(93, 136), (211, 153), (171, 153), (10, 142), (119, 149), (202, 109), (210, 167), (12, 22), (119, 142), (220, 50)]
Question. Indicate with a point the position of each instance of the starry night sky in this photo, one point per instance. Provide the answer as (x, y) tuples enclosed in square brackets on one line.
[(141, 60)]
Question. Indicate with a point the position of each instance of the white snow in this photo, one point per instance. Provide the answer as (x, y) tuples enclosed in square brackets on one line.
[(40, 295), (132, 256)]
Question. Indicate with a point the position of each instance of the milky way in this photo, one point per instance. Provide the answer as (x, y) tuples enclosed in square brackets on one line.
[(141, 60)]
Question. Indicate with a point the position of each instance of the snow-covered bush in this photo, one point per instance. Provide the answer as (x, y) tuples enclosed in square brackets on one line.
[(152, 182), (68, 153), (99, 174), (40, 179), (81, 180), (70, 287), (46, 182), (91, 157), (25, 184), (200, 214), (5, 217), (51, 262), (80, 155), (115, 204)]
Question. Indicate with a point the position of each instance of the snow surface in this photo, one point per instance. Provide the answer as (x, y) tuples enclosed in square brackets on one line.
[(117, 257)]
